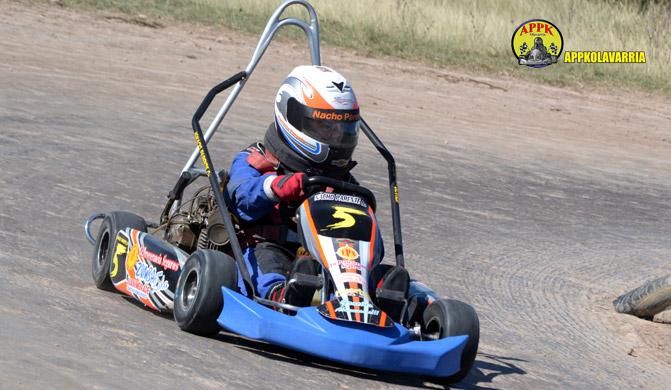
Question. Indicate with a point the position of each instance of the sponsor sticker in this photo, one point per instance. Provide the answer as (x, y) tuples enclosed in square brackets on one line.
[(354, 291), (137, 288), (131, 259), (351, 277), (347, 252), (149, 275), (120, 250), (344, 101), (159, 259), (348, 264), (370, 312), (202, 153), (340, 198), (365, 307), (345, 217)]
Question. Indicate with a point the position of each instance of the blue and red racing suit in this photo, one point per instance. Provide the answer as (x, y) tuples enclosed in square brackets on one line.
[(268, 238)]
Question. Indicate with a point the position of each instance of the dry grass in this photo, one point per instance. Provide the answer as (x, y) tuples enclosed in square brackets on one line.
[(466, 34)]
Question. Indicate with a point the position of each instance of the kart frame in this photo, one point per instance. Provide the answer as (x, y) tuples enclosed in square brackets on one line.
[(189, 173), (396, 348)]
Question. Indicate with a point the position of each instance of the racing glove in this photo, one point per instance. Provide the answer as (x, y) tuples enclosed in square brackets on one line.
[(288, 188)]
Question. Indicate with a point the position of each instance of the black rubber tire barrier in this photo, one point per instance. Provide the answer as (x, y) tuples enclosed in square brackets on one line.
[(647, 300)]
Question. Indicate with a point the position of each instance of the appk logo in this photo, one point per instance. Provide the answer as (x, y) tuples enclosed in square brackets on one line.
[(537, 43)]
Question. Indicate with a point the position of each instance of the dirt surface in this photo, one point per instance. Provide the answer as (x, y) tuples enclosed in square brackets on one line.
[(535, 204)]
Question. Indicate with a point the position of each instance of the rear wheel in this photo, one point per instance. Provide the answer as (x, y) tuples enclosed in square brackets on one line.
[(448, 317), (104, 247), (198, 297)]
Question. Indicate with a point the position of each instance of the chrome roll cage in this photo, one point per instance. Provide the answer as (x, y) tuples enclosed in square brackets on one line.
[(273, 25)]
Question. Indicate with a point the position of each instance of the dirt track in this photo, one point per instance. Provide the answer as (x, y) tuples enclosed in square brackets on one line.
[(537, 205)]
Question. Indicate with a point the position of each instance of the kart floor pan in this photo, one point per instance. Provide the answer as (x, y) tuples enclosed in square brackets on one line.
[(389, 349)]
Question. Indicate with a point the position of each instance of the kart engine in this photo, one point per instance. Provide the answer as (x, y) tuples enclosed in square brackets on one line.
[(197, 224)]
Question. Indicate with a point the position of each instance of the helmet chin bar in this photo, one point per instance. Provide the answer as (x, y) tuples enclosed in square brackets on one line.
[(239, 80)]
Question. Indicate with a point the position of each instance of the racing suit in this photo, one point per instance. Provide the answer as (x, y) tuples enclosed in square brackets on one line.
[(268, 237)]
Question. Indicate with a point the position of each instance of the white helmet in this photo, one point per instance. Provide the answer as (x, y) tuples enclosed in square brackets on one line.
[(316, 120)]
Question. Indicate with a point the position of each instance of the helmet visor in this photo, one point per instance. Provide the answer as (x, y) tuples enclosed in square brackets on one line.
[(337, 128)]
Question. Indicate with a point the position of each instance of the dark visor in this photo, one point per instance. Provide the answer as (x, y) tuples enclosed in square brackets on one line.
[(337, 128)]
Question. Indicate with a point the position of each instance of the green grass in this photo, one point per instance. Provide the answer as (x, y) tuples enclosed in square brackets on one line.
[(462, 34)]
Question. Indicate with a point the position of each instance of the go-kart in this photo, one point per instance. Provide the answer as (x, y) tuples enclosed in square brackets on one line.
[(190, 263)]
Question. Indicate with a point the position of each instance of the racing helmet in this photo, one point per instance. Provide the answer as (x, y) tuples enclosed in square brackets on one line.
[(316, 122)]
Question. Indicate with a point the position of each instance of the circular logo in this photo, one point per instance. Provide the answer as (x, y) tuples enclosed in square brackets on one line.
[(537, 43), (347, 253)]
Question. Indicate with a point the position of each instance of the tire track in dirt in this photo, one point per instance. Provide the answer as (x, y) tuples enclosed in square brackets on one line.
[(552, 300)]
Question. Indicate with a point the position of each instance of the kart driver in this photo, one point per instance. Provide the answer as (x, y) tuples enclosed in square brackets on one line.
[(314, 133)]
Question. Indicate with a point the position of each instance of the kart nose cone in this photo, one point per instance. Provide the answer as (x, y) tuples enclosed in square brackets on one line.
[(388, 349)]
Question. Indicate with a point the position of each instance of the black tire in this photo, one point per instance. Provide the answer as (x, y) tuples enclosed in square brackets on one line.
[(104, 247), (448, 317), (647, 300), (198, 298)]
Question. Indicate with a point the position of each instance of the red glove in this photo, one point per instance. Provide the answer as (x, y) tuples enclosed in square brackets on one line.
[(288, 188)]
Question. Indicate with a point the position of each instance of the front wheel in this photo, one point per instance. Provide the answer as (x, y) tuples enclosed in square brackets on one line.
[(448, 317), (198, 297)]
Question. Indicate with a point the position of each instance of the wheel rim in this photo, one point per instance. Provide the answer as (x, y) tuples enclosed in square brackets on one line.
[(190, 289), (103, 248), (433, 330)]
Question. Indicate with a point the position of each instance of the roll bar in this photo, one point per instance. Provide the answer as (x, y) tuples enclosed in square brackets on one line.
[(393, 191), (239, 80), (273, 25)]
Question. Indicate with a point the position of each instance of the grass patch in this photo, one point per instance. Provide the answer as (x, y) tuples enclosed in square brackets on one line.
[(473, 35)]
